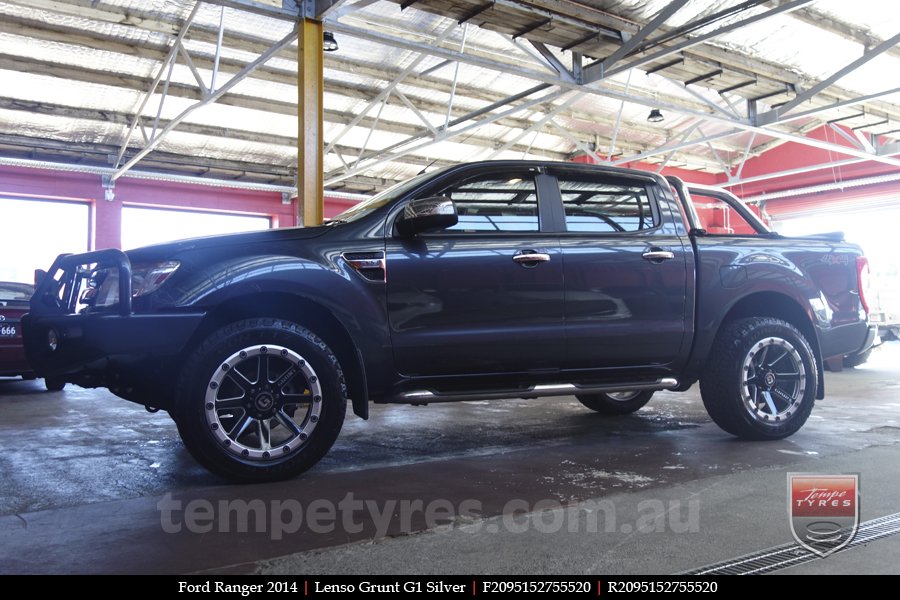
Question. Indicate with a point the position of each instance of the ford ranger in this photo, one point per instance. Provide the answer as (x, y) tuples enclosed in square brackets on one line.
[(478, 281)]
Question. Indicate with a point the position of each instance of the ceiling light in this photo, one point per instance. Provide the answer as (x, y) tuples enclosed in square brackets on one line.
[(329, 44), (655, 116)]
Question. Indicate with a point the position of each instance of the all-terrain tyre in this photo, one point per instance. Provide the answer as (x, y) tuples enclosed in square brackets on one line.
[(260, 400), (760, 380)]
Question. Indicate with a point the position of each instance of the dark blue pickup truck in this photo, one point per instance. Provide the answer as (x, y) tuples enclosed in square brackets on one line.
[(484, 280)]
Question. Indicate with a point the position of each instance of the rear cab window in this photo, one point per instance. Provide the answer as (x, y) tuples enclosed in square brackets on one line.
[(719, 217)]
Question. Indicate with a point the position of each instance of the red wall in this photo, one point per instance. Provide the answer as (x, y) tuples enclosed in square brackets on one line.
[(107, 216), (335, 206), (792, 155)]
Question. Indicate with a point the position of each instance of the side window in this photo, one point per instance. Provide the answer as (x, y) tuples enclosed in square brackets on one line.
[(495, 203), (605, 206), (718, 217)]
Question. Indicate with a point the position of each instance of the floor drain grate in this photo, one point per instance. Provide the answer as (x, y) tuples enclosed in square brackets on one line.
[(789, 555)]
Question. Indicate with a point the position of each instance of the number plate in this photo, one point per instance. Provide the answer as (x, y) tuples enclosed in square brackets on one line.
[(8, 331)]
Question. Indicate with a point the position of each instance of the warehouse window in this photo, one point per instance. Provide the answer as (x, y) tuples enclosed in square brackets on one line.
[(34, 232), (144, 226)]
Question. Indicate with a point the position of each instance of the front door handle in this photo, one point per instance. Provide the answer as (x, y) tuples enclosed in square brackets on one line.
[(658, 255), (530, 258)]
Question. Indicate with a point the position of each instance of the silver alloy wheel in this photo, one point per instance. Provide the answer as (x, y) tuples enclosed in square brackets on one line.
[(774, 380), (263, 402), (623, 396)]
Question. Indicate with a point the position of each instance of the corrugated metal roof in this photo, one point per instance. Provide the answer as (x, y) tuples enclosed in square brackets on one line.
[(77, 72)]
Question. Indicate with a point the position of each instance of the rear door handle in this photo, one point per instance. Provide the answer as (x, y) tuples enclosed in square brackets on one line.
[(657, 255), (530, 258)]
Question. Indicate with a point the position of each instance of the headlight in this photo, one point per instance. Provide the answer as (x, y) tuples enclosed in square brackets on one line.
[(148, 277), (103, 285)]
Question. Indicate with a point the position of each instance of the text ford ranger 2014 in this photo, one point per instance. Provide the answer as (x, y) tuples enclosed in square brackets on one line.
[(484, 280)]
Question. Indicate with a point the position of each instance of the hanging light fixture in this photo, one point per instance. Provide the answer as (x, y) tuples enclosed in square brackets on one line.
[(655, 116), (329, 44)]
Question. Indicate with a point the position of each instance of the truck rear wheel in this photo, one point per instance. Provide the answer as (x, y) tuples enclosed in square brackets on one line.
[(54, 384), (615, 403), (260, 400), (761, 379)]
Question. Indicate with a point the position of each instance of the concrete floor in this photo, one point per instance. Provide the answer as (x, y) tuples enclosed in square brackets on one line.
[(93, 484)]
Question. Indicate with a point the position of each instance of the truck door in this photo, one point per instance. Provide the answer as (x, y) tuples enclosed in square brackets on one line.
[(484, 296), (625, 271)]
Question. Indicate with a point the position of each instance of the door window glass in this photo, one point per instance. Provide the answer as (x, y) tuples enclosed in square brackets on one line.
[(495, 203), (598, 206)]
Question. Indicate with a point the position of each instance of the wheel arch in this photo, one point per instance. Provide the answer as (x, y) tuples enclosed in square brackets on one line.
[(780, 306), (302, 311)]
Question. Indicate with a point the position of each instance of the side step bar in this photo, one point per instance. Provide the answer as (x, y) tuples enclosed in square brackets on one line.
[(535, 391)]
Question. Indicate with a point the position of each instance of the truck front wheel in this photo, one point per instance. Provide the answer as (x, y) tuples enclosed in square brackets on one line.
[(615, 403), (260, 400), (761, 379)]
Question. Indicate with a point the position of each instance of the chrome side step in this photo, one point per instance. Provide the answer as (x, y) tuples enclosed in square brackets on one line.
[(535, 391)]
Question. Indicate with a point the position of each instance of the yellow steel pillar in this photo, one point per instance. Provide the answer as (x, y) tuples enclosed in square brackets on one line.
[(309, 141)]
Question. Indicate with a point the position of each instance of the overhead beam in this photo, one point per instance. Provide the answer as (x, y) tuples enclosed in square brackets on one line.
[(848, 31), (553, 12), (635, 39), (603, 91), (124, 119), (857, 138), (495, 65), (165, 65), (835, 105), (60, 34), (384, 94), (208, 99), (199, 168), (269, 106), (250, 43), (347, 6), (596, 72), (99, 154), (774, 114), (552, 61), (688, 28), (445, 135), (674, 147), (606, 24), (323, 8), (719, 57)]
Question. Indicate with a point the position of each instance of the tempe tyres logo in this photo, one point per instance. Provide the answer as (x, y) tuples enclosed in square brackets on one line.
[(823, 510)]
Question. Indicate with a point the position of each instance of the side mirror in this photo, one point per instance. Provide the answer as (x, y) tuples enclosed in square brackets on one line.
[(423, 214)]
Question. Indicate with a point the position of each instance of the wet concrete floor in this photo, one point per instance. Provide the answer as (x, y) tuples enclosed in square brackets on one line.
[(94, 484)]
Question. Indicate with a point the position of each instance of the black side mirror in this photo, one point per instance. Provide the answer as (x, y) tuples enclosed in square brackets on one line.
[(424, 214)]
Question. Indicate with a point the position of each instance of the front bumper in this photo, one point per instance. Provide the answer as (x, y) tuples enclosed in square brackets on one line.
[(95, 349), (100, 343)]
